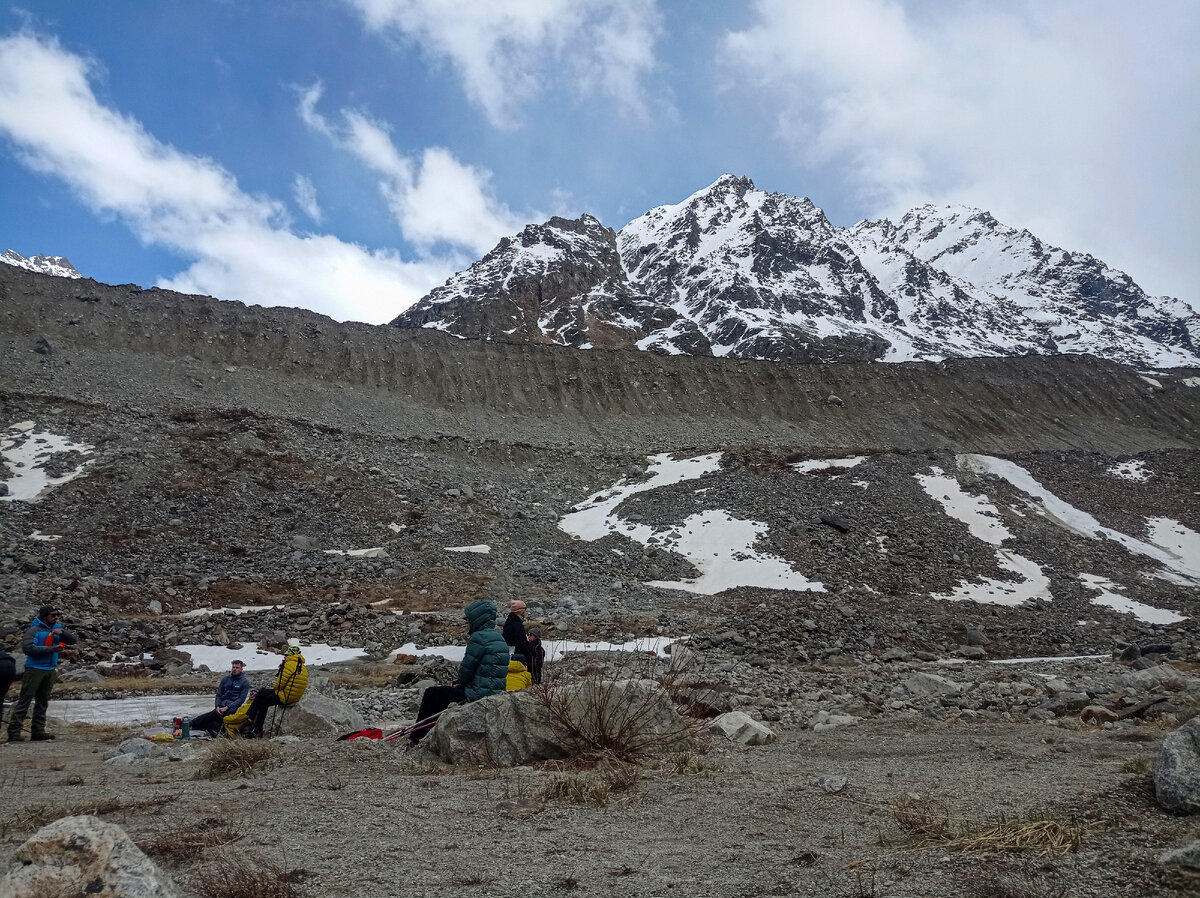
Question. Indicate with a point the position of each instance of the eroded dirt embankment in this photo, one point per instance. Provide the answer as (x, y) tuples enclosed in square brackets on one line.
[(160, 348)]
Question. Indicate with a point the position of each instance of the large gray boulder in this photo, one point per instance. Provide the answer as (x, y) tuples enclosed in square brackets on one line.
[(1177, 773), (738, 726), (317, 714), (84, 856), (630, 717)]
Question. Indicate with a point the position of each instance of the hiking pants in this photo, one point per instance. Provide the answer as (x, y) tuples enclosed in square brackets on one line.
[(257, 716), (35, 687), (8, 673), (211, 722), (435, 700)]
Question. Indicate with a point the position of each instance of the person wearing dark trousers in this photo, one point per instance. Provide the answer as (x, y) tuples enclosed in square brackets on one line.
[(42, 644), (264, 701), (523, 645), (231, 692), (8, 673), (483, 672)]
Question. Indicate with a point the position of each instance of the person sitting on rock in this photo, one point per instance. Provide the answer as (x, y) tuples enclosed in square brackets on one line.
[(290, 683), (42, 644), (483, 672), (231, 692), (518, 676), (514, 630)]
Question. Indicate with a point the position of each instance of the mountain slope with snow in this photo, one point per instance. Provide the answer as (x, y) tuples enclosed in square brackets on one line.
[(736, 271), (55, 265)]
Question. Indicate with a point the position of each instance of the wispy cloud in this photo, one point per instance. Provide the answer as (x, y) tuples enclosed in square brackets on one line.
[(436, 200), (1076, 119), (242, 244), (508, 51), (305, 195)]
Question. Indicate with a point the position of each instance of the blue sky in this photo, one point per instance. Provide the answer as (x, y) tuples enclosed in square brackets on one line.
[(349, 155)]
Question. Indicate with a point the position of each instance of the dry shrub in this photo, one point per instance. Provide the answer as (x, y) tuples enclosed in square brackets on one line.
[(236, 757), (1027, 882), (929, 825), (248, 876), (34, 817), (187, 845), (104, 733), (618, 711)]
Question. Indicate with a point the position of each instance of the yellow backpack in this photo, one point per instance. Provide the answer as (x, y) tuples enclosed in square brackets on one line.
[(292, 679)]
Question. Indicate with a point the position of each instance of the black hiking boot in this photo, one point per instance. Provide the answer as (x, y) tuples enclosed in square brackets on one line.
[(15, 737), (42, 737)]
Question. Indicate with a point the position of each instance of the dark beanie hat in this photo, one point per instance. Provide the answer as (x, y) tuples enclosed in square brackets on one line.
[(45, 611)]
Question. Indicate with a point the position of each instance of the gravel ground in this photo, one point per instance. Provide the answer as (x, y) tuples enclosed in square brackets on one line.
[(724, 821)]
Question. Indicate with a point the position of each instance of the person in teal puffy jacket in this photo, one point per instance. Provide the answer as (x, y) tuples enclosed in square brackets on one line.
[(483, 672)]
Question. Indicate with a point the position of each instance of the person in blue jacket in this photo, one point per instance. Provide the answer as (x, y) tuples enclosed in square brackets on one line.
[(42, 644), (231, 693), (483, 672)]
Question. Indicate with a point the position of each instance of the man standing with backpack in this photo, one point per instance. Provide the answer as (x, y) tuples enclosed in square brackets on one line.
[(42, 644)]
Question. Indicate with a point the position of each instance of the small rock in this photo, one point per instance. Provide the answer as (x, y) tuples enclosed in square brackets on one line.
[(830, 785)]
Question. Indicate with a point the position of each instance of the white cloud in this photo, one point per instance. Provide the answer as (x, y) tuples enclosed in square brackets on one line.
[(438, 200), (305, 195), (507, 51), (242, 245), (1076, 119)]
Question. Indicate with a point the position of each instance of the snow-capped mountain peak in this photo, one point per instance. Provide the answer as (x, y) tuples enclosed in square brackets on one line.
[(55, 265), (737, 271)]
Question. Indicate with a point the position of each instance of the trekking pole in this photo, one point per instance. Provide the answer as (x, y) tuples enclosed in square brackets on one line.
[(414, 727)]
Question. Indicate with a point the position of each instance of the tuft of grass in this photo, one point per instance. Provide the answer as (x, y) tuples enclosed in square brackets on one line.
[(929, 825), (1139, 766), (1026, 882), (687, 762), (244, 876), (578, 790), (34, 817), (189, 844), (236, 757)]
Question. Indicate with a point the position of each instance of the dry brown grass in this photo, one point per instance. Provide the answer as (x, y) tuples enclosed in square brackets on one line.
[(929, 825), (365, 677), (139, 685), (104, 733), (188, 844), (34, 817), (248, 876), (236, 757)]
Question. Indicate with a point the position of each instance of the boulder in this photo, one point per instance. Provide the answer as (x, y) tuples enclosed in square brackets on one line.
[(317, 714), (134, 748), (738, 726), (1155, 678), (631, 717), (1186, 858), (505, 730), (931, 684), (1177, 771), (826, 720), (84, 856)]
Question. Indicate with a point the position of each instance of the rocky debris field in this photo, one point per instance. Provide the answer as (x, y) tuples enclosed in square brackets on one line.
[(182, 472)]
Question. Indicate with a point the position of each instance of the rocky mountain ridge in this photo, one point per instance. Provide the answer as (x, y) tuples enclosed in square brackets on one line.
[(736, 271)]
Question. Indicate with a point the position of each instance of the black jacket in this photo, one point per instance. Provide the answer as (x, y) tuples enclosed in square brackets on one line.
[(514, 634)]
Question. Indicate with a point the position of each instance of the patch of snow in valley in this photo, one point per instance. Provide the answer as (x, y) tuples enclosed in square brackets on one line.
[(1109, 598), (722, 548), (143, 709), (594, 517), (983, 520), (977, 512), (555, 648), (1181, 566), (716, 543), (478, 550), (820, 464), (26, 452), (376, 552), (1130, 470), (219, 657), (1191, 381), (40, 537), (232, 609)]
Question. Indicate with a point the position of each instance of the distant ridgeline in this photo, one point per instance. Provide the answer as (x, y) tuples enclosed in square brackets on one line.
[(735, 271)]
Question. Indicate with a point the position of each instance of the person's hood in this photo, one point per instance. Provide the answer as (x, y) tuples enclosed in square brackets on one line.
[(38, 622), (515, 666), (480, 615)]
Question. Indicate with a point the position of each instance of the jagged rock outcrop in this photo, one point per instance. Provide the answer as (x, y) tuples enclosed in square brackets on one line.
[(54, 265)]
